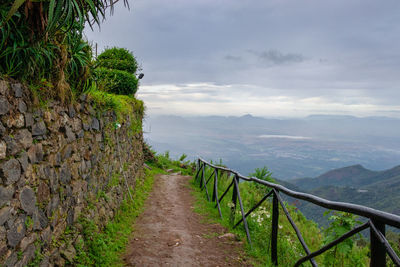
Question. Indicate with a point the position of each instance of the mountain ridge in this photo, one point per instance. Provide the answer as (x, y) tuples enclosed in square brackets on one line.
[(350, 176), (351, 184)]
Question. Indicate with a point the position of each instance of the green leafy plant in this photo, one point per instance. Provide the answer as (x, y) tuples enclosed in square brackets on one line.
[(116, 81), (122, 105), (342, 254), (28, 222), (19, 55), (79, 66), (116, 53), (182, 157), (124, 65), (262, 174), (102, 194), (119, 59), (43, 40), (38, 255), (20, 254), (115, 71), (164, 161), (149, 154), (52, 15)]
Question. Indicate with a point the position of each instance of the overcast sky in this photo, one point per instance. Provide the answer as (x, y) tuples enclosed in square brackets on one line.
[(266, 58)]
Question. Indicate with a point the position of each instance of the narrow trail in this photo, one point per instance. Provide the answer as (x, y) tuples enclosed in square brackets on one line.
[(169, 233)]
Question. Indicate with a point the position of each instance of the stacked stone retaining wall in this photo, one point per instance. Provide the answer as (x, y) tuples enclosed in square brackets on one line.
[(59, 164)]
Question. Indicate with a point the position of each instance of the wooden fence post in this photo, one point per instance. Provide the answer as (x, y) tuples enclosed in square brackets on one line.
[(234, 202), (378, 251), (274, 229), (215, 184), (202, 175)]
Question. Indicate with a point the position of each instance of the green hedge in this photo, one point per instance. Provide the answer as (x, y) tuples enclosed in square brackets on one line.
[(115, 72), (125, 65), (116, 53), (116, 81)]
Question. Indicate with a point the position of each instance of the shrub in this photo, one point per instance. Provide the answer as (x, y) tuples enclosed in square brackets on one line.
[(19, 58), (149, 154), (42, 40), (116, 81), (116, 53), (79, 63), (125, 65), (263, 174), (115, 72), (118, 58)]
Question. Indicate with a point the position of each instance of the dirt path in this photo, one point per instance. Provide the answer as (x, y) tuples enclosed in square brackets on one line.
[(169, 233)]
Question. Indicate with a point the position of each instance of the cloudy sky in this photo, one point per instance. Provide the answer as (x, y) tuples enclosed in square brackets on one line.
[(263, 57)]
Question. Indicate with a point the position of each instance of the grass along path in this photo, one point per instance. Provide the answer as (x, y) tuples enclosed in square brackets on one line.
[(170, 233), (104, 248)]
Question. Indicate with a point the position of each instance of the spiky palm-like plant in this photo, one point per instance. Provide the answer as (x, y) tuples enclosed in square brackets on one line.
[(42, 39), (48, 16)]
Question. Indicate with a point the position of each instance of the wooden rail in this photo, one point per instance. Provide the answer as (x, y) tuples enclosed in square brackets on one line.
[(376, 219)]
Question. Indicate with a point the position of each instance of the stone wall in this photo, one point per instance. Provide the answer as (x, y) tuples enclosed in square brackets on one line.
[(59, 164)]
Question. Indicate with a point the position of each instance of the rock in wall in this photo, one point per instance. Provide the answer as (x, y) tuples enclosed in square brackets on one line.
[(59, 164)]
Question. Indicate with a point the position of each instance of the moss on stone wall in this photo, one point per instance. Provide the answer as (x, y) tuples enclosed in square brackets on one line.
[(59, 164)]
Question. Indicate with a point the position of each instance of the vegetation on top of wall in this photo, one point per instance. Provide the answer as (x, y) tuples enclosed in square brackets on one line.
[(122, 105), (119, 59), (117, 71), (122, 65), (42, 40), (116, 81), (42, 46)]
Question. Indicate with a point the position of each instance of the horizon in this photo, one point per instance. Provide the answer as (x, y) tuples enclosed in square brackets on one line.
[(272, 117), (291, 147)]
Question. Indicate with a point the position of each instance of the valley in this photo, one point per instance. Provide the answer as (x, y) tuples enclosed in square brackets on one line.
[(291, 148), (350, 158)]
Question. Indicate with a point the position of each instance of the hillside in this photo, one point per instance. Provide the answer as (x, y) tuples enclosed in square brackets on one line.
[(353, 184), (352, 176)]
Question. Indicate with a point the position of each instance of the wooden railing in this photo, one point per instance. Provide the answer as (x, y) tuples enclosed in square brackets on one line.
[(377, 220)]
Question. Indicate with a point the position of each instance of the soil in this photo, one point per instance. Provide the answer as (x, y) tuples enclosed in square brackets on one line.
[(170, 233)]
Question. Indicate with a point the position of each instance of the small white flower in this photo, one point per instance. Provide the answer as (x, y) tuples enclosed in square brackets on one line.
[(280, 226), (118, 125)]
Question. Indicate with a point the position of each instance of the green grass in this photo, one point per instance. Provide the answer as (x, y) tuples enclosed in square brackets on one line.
[(163, 161), (122, 105), (104, 248)]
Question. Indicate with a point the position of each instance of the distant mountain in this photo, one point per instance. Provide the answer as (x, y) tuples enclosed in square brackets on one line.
[(330, 117), (290, 147), (353, 184), (351, 176)]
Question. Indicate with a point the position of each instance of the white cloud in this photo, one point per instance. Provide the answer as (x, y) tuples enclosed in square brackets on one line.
[(339, 56), (195, 99)]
